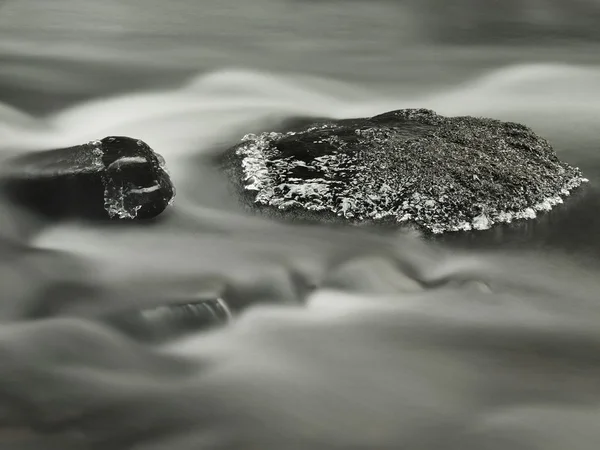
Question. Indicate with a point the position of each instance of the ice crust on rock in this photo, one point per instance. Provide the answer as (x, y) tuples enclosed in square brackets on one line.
[(412, 166)]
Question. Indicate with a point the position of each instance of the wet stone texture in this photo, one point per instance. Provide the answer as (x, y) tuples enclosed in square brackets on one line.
[(408, 166), (117, 177), (171, 321)]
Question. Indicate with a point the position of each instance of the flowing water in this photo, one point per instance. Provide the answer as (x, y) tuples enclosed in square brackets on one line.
[(344, 338)]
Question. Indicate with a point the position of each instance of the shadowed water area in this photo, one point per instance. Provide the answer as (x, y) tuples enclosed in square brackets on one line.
[(342, 337)]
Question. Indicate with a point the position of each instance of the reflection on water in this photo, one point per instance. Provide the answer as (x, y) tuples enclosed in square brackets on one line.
[(343, 338)]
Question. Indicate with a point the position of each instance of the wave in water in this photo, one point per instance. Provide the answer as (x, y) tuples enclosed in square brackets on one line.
[(222, 98)]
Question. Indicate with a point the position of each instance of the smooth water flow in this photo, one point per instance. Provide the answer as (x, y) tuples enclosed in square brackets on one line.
[(346, 338)]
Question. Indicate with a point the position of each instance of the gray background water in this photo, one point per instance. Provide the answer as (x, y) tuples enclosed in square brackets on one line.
[(63, 50)]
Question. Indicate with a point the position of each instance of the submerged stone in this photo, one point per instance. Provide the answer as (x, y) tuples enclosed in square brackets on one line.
[(170, 321), (408, 166), (117, 177)]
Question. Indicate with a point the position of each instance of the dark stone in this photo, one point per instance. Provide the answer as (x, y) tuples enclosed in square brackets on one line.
[(117, 177), (170, 321), (408, 166)]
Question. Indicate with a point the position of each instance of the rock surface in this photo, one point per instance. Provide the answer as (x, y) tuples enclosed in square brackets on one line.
[(408, 166), (117, 177)]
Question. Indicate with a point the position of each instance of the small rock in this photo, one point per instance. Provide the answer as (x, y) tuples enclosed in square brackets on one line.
[(169, 321), (117, 177), (408, 166)]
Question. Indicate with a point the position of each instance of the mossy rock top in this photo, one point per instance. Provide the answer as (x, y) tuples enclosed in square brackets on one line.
[(408, 166)]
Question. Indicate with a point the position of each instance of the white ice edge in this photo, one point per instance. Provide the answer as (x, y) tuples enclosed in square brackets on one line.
[(255, 170), (485, 222), (127, 160), (145, 190)]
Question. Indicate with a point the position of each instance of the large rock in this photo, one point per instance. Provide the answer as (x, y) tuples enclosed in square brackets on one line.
[(407, 166), (117, 177)]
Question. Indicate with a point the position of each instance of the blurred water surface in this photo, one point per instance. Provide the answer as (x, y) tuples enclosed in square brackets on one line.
[(346, 338)]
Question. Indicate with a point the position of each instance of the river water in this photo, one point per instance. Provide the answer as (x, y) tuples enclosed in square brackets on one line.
[(345, 338)]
